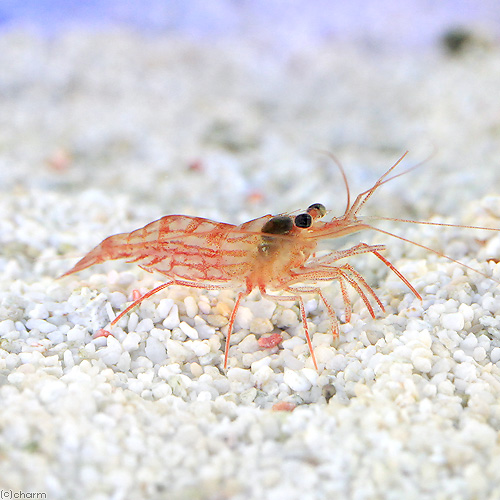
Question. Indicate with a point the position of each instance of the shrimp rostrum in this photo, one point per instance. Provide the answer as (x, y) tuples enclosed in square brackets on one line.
[(274, 253)]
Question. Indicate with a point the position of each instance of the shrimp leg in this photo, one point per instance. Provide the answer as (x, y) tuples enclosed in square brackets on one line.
[(139, 300), (204, 286), (241, 295), (297, 298)]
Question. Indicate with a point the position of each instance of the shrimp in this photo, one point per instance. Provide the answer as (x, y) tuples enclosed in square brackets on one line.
[(273, 253)]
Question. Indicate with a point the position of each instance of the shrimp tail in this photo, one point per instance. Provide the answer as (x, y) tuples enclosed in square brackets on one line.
[(114, 247)]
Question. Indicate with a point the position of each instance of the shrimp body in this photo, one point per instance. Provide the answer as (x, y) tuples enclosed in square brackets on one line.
[(271, 253), (200, 250)]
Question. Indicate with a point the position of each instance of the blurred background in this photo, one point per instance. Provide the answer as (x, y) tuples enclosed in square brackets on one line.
[(219, 108), (284, 24)]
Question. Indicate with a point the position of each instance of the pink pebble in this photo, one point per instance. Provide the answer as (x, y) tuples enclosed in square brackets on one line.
[(271, 341)]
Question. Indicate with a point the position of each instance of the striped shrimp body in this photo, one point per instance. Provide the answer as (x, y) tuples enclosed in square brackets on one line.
[(271, 253)]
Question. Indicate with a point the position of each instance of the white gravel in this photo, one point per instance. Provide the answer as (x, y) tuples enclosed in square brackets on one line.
[(102, 133)]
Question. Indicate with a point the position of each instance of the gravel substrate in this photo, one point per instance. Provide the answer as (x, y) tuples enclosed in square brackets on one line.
[(101, 133)]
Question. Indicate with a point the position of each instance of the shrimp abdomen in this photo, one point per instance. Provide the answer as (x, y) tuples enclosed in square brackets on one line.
[(185, 247)]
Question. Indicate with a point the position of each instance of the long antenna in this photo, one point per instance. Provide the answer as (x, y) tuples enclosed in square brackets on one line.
[(344, 176)]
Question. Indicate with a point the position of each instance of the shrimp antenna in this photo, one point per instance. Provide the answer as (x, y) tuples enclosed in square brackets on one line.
[(363, 197), (427, 223), (344, 176), (436, 252)]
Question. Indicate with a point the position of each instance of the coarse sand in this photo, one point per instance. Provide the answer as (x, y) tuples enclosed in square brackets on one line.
[(104, 132)]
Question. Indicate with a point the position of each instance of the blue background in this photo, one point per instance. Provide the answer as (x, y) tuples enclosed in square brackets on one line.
[(411, 23)]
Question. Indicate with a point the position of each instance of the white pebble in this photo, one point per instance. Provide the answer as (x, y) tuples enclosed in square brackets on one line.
[(51, 391), (204, 307), (466, 311), (479, 354), (51, 360), (429, 391), (16, 378), (143, 364), (176, 350), (292, 342), (56, 337), (204, 331), (424, 338), (191, 306), (112, 352), (6, 326), (247, 396), (172, 320), (446, 387), (204, 396), (196, 370), (131, 341), (248, 344), (133, 321), (262, 308), (76, 334), (311, 305), (261, 325), (288, 317), (41, 325), (311, 375), (117, 299), (69, 361), (39, 312), (124, 362), (479, 434), (164, 307), (217, 320), (155, 350), (30, 357), (264, 361), (145, 325), (453, 321), (199, 348), (238, 375), (263, 374), (296, 380), (135, 385), (465, 371), (20, 327), (161, 390), (179, 384), (459, 356), (495, 355), (89, 349), (469, 342), (421, 358), (244, 317), (109, 311), (189, 331), (490, 303)]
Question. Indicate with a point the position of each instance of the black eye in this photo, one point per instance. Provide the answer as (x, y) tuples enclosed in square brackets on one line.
[(278, 225), (303, 220), (317, 210)]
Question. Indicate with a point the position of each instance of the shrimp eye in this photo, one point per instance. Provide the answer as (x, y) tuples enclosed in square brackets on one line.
[(278, 225), (317, 210), (303, 220)]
